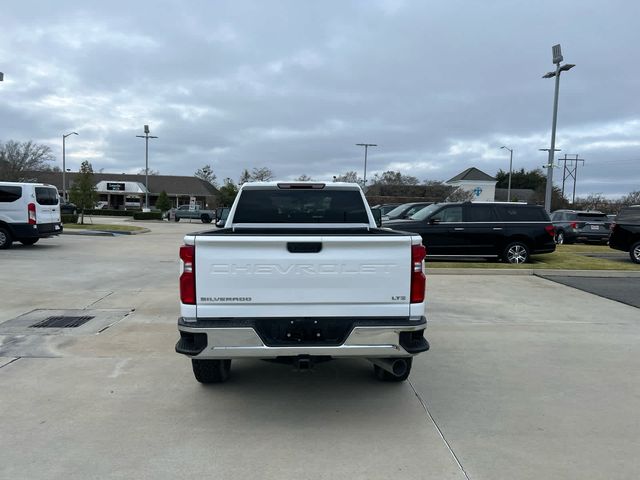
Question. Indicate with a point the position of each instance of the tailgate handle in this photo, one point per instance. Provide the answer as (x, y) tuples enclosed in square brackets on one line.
[(304, 247)]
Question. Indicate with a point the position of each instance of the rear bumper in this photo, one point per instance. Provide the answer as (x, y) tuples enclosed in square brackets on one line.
[(41, 230), (246, 338)]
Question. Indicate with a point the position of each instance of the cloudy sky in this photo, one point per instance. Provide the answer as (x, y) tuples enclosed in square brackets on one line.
[(293, 85)]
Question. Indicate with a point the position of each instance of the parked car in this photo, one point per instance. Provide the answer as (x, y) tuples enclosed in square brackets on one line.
[(385, 207), (28, 212), (221, 216), (301, 274), (625, 232), (511, 231), (102, 205), (68, 208), (580, 226), (185, 211), (405, 210)]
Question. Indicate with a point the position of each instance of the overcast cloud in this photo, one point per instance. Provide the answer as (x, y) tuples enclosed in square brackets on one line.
[(293, 85)]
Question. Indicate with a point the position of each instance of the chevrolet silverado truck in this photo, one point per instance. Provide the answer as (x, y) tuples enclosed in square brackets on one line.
[(301, 273)]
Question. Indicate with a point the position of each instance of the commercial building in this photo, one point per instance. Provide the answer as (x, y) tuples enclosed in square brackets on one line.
[(126, 191)]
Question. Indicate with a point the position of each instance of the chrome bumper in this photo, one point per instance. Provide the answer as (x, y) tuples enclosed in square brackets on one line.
[(244, 342)]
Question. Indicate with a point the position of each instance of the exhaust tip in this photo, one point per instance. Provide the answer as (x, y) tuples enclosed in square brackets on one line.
[(399, 367)]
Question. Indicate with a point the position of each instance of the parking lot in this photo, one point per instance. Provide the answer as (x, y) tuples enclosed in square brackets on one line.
[(526, 379)]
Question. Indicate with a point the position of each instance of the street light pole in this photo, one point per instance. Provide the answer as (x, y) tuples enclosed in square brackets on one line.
[(64, 165), (557, 59), (366, 148), (510, 170), (146, 137)]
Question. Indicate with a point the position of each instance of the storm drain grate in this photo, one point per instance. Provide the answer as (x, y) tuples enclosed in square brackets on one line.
[(62, 322)]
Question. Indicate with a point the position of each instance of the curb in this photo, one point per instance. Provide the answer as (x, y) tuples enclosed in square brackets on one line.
[(534, 272), (104, 233)]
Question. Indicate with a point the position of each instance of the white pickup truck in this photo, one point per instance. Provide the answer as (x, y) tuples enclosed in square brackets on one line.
[(301, 273)]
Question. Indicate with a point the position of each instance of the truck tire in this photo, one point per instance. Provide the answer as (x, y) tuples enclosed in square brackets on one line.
[(634, 252), (384, 376), (177, 219), (205, 218), (211, 371), (5, 239), (29, 241)]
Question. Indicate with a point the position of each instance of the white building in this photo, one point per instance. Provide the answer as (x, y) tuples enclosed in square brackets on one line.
[(482, 186)]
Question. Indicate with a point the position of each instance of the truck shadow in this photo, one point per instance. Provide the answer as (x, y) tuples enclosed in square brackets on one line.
[(333, 394)]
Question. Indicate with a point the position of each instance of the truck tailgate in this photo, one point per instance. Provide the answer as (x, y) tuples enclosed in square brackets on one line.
[(302, 276)]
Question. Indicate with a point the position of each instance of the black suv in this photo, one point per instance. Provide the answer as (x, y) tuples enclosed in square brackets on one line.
[(625, 232), (511, 231), (577, 226)]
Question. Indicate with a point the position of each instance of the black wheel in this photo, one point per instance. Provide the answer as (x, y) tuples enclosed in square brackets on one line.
[(516, 253), (384, 376), (177, 219), (634, 252), (560, 237), (5, 239), (211, 371), (29, 241), (205, 218)]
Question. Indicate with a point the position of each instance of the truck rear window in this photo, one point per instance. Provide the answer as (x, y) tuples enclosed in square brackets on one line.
[(46, 196), (300, 206)]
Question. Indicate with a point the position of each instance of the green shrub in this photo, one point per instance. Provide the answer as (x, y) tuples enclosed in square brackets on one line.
[(69, 218), (156, 215), (110, 213)]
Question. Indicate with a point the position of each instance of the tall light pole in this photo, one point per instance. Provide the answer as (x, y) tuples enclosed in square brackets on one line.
[(557, 58), (366, 148), (146, 137), (64, 164), (510, 170)]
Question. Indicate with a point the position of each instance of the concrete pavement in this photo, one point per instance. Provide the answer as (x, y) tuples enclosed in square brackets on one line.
[(523, 381)]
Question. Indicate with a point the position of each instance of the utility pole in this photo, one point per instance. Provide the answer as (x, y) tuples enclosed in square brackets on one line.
[(510, 170), (571, 171), (64, 166), (366, 147), (146, 137), (557, 59)]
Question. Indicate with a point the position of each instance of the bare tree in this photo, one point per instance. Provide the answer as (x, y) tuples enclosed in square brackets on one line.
[(151, 172), (262, 174), (349, 177), (17, 159), (206, 173), (632, 198), (394, 178), (460, 195), (245, 177), (304, 178)]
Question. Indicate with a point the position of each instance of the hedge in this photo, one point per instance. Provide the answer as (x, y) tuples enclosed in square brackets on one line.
[(157, 215), (69, 218), (110, 213)]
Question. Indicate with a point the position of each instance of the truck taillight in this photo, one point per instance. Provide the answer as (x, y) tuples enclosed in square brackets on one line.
[(418, 279), (31, 209), (188, 275), (551, 230)]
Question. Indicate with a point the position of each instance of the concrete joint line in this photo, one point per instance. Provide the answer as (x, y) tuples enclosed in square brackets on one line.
[(10, 362), (426, 409), (99, 300)]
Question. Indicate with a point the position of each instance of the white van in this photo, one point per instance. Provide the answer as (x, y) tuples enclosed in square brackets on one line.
[(28, 212)]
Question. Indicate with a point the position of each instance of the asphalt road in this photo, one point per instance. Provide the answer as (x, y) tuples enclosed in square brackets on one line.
[(624, 290), (526, 379)]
